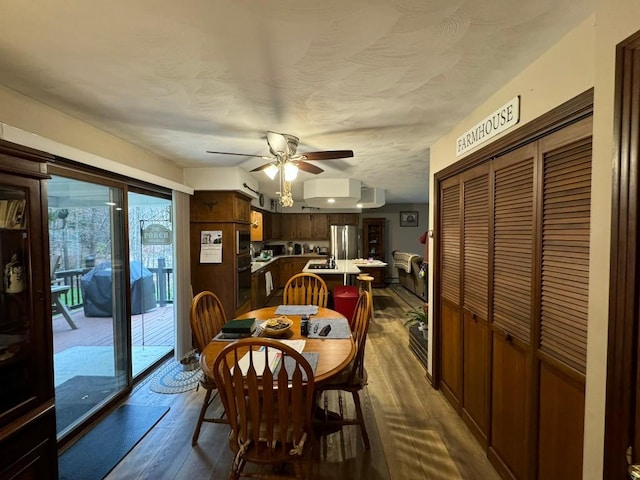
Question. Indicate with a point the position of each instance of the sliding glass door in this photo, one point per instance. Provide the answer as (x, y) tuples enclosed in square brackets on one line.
[(89, 289), (151, 254)]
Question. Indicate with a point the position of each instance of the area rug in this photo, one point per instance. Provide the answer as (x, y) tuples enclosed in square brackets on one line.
[(79, 394), (97, 452), (172, 379)]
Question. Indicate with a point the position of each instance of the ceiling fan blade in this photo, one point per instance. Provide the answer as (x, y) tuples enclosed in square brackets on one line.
[(261, 167), (307, 167), (282, 142), (240, 154), (328, 155)]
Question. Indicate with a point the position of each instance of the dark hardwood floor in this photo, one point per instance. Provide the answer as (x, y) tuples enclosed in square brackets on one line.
[(414, 432)]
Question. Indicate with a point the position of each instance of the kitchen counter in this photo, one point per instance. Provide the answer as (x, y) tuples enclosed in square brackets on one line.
[(259, 265), (343, 267)]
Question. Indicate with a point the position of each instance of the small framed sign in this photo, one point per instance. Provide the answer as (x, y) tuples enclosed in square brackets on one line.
[(409, 219)]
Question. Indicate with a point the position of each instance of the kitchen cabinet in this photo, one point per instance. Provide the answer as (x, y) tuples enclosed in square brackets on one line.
[(276, 226), (229, 213), (304, 226), (222, 206), (259, 297), (27, 414), (289, 266), (344, 219), (378, 274), (373, 238), (289, 227), (267, 230), (319, 226), (257, 233)]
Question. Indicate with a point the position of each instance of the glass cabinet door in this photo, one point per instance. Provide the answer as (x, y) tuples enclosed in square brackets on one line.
[(22, 385)]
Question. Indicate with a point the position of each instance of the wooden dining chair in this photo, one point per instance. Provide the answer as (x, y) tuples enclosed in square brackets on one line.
[(269, 412), (305, 289), (207, 318), (353, 378)]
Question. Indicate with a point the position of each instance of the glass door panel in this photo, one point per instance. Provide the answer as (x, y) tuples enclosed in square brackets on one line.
[(151, 254), (89, 291)]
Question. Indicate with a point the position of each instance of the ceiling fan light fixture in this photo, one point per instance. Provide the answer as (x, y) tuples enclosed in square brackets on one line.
[(290, 172), (271, 171)]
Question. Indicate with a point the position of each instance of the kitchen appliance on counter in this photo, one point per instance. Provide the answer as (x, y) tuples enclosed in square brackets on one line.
[(297, 249), (344, 242), (276, 249)]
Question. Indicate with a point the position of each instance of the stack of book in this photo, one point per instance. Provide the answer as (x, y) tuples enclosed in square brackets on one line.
[(235, 329)]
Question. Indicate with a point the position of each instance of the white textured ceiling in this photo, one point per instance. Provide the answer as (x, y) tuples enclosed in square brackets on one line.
[(383, 78)]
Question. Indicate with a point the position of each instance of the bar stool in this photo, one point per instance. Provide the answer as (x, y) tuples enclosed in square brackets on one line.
[(365, 285)]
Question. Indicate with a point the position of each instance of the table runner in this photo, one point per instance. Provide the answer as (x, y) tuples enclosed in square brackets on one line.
[(297, 310), (339, 328)]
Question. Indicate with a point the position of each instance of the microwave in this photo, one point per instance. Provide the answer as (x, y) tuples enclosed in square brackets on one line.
[(243, 241)]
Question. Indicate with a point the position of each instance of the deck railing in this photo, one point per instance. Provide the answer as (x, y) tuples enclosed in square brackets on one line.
[(162, 278)]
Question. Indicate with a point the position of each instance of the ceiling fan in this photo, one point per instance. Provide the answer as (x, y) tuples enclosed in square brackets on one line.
[(283, 151)]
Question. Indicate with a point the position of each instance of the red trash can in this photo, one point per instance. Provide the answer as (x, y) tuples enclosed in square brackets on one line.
[(345, 298)]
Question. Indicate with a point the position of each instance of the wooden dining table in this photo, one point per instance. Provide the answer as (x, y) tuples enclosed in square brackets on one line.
[(335, 354)]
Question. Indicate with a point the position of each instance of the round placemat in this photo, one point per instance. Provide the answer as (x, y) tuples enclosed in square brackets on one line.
[(173, 379)]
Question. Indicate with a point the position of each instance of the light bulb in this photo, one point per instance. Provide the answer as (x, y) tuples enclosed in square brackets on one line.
[(271, 171), (290, 172)]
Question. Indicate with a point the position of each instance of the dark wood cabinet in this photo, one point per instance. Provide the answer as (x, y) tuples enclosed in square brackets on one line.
[(27, 415), (319, 226), (378, 274), (267, 225), (220, 205), (289, 266), (373, 238), (259, 297), (228, 213), (344, 219), (288, 227), (304, 226), (276, 226)]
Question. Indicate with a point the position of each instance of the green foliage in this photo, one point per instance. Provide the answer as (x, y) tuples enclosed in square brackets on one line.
[(415, 316)]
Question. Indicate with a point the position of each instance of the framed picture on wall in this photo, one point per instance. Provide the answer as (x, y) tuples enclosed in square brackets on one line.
[(409, 219)]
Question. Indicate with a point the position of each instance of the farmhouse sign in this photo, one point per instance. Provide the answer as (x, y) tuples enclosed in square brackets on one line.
[(502, 119), (156, 234)]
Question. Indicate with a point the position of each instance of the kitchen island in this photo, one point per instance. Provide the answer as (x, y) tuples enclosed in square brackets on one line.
[(344, 271)]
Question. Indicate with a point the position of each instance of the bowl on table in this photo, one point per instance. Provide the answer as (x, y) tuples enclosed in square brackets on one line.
[(276, 326)]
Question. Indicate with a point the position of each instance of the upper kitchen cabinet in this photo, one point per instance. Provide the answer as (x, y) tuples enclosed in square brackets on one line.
[(319, 226), (220, 206), (289, 227), (344, 219), (304, 227), (276, 226), (267, 225), (257, 226)]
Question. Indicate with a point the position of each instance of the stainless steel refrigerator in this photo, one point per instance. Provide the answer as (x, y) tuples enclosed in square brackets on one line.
[(345, 242)]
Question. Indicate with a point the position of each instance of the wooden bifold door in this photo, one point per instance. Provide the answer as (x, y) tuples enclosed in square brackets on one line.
[(511, 301)]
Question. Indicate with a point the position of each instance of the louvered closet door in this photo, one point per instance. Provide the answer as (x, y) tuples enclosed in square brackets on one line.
[(511, 301), (562, 341), (475, 274), (451, 325)]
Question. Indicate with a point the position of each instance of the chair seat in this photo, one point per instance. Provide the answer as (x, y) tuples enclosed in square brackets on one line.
[(207, 382), (341, 381)]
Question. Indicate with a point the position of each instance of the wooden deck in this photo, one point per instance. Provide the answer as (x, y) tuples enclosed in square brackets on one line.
[(153, 328)]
